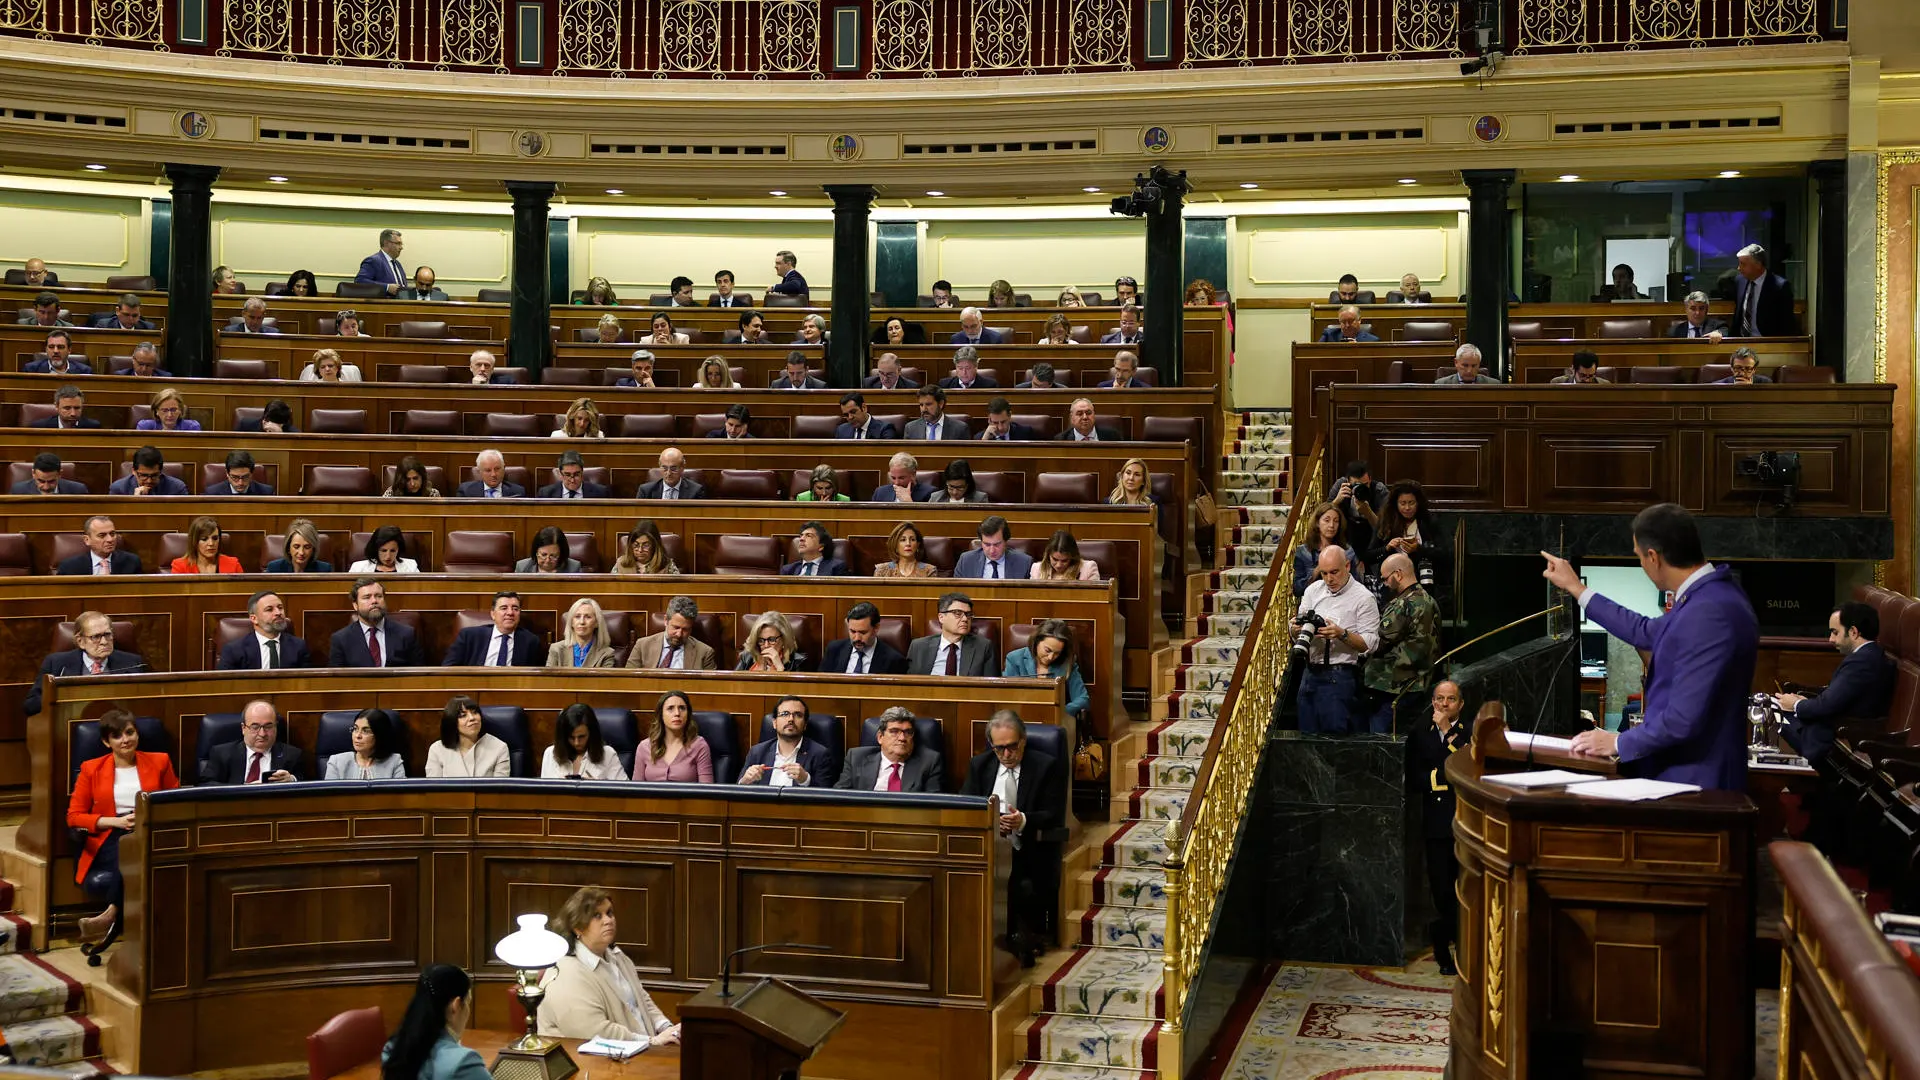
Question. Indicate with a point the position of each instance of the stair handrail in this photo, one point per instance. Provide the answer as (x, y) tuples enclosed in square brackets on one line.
[(1200, 844)]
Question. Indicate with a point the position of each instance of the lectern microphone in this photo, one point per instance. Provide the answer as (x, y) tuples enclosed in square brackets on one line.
[(726, 968)]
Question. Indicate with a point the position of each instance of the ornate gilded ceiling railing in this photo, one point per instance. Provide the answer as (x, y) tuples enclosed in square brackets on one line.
[(882, 39), (1201, 844)]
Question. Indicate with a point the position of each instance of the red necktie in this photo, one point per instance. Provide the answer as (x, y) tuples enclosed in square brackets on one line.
[(253, 768), (93, 666), (373, 646), (893, 776), (953, 659)]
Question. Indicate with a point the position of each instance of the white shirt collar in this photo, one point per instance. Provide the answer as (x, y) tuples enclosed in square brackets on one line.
[(586, 956), (1705, 569)]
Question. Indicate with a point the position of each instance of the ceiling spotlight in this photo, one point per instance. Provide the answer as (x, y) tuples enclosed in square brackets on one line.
[(449, 187), (276, 179), (937, 194), (1568, 178), (778, 194), (1248, 187), (1091, 190), (615, 191), (96, 168), (1728, 174), (1408, 180)]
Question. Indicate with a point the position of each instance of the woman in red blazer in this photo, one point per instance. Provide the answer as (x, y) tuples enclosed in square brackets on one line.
[(102, 804), (203, 551)]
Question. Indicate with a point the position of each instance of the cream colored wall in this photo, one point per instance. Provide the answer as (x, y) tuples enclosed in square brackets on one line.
[(1300, 257), (267, 243), (1038, 257), (641, 256), (82, 238)]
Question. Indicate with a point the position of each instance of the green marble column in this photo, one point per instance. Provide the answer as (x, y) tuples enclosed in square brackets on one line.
[(896, 262), (529, 337), (1206, 252), (852, 304), (1489, 255), (190, 272), (1829, 327)]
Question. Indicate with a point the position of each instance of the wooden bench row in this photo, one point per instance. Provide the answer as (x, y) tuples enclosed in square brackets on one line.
[(1525, 321)]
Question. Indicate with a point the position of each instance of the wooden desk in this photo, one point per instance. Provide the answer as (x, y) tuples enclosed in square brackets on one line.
[(659, 1063), (1558, 319), (81, 301), (1544, 361), (20, 344), (287, 354), (302, 315), (1598, 939), (321, 897), (1616, 449)]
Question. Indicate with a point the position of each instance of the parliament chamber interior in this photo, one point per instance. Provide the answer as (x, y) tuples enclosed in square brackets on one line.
[(1463, 619)]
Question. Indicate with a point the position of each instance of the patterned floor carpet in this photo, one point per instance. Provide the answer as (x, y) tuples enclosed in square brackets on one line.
[(1329, 1023)]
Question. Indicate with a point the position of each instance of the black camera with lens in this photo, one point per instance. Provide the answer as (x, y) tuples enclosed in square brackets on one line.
[(1311, 622), (1774, 468), (1423, 569)]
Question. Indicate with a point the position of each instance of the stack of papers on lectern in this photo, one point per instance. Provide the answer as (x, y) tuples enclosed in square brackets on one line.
[(1520, 740), (1542, 778), (1635, 790), (617, 1049)]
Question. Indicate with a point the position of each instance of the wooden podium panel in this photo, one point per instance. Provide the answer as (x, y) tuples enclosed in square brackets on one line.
[(1598, 940)]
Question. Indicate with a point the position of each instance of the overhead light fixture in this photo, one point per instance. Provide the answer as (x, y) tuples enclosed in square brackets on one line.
[(1248, 187), (778, 194), (96, 168), (276, 179), (938, 194), (1091, 190), (1568, 178), (449, 187), (1408, 180), (1728, 174), (615, 191)]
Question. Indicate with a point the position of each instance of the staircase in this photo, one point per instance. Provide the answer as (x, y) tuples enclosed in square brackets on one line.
[(43, 1021), (1098, 1015)]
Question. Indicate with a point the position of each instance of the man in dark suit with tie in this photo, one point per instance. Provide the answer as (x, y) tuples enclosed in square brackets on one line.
[(956, 649), (124, 316), (672, 483), (1862, 686), (422, 287), (383, 267), (790, 759), (239, 480), (505, 643), (896, 764), (1032, 793), (1000, 425), (862, 652), (57, 358), (372, 640), (103, 554), (148, 476), (491, 469), (886, 375), (1128, 332), (994, 560), (724, 296), (1124, 374), (1082, 427), (790, 283), (1348, 327), (1704, 649), (1762, 300), (736, 425), (94, 655), (858, 423), (268, 645), (46, 479), (971, 331), (259, 757), (571, 481), (1697, 324), (46, 312), (252, 319), (903, 481), (814, 544), (966, 372), (796, 377)]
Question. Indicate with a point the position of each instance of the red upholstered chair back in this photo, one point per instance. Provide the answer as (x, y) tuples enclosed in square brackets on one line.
[(737, 554), (1171, 429), (1119, 423), (1626, 328), (1655, 373), (1002, 487), (1078, 488), (569, 376), (19, 472), (422, 328), (747, 484), (1044, 425), (520, 424), (337, 422), (1713, 373), (645, 425), (472, 551), (16, 558), (1526, 329), (896, 632), (814, 427), (123, 637), (240, 369), (1804, 373), (33, 412), (340, 480), (425, 373), (430, 422), (1427, 330), (132, 283), (350, 1039), (66, 546), (585, 547), (943, 551)]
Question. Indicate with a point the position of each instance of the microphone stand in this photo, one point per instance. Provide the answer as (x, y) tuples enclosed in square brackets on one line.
[(726, 967)]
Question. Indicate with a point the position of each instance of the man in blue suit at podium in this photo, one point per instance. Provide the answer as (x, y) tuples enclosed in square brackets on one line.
[(1695, 731)]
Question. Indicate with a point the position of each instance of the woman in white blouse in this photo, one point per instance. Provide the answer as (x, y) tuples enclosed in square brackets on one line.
[(578, 751), (376, 750), (385, 553), (582, 421), (328, 367), (464, 749)]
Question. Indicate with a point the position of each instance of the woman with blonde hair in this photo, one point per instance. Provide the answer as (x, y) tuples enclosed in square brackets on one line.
[(906, 545), (1062, 562), (169, 413), (608, 329), (645, 553), (772, 645), (302, 549), (583, 421), (599, 293), (715, 375), (328, 367), (1070, 298), (1131, 485), (822, 486), (203, 551), (586, 644)]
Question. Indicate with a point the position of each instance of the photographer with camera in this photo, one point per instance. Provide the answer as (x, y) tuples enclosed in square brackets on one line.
[(1359, 497), (1397, 669), (1338, 623)]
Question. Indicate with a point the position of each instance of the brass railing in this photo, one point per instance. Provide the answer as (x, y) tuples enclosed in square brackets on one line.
[(1200, 845)]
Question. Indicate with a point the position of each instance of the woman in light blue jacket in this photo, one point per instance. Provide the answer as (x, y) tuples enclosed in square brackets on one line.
[(376, 750), (1050, 654), (427, 1046)]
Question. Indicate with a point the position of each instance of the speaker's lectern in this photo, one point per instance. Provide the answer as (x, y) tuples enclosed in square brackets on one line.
[(761, 1033)]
